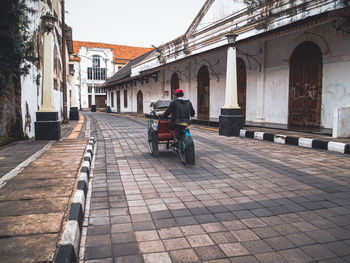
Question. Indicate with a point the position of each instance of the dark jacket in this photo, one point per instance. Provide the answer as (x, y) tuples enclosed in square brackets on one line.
[(180, 110)]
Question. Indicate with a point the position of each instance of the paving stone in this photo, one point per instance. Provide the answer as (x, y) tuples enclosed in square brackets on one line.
[(223, 237), (98, 252), (318, 252), (257, 246), (144, 225), (125, 249), (234, 249), (183, 255), (176, 243), (272, 257), (245, 235), (192, 230), (125, 237), (157, 258), (295, 255), (98, 240), (209, 252), (151, 246), (200, 240), (129, 259), (279, 243), (146, 235)]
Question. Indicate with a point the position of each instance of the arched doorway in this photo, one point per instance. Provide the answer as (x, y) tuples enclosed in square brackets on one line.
[(203, 99), (241, 84), (305, 85), (139, 102), (174, 84)]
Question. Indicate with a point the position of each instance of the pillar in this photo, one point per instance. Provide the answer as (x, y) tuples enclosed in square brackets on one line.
[(47, 125), (231, 118)]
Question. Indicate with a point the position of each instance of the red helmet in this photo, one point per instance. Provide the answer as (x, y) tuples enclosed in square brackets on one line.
[(179, 93)]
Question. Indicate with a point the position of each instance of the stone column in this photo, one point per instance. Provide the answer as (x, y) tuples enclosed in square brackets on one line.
[(231, 118), (93, 102), (47, 125), (48, 68)]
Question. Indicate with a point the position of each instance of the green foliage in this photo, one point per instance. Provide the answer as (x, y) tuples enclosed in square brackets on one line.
[(15, 39)]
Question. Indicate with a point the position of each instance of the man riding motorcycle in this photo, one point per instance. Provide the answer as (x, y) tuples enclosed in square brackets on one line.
[(181, 111)]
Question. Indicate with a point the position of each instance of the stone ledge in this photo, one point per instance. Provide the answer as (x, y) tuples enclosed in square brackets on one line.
[(298, 141)]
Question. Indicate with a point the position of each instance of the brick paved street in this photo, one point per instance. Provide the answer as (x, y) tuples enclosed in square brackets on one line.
[(243, 201)]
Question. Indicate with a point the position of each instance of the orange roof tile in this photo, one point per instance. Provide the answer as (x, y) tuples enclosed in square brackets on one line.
[(121, 54)]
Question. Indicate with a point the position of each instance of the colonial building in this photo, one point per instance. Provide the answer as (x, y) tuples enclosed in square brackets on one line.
[(92, 63), (293, 61)]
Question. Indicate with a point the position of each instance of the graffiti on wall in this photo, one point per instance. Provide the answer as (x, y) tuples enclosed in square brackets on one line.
[(308, 91)]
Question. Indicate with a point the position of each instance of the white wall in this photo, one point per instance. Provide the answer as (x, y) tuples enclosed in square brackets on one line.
[(275, 79), (85, 54)]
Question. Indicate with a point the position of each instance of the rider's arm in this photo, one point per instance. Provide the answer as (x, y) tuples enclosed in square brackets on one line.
[(192, 112)]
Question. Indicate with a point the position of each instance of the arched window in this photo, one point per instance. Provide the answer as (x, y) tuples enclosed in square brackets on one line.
[(139, 102), (174, 84), (125, 98), (203, 93)]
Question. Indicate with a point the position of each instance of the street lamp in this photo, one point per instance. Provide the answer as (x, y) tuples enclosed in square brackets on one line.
[(49, 22), (231, 39), (231, 119), (93, 102)]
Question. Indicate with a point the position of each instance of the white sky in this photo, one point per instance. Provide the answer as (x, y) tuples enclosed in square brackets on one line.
[(130, 22)]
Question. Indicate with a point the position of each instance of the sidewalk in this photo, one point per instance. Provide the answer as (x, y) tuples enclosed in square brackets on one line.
[(34, 204)]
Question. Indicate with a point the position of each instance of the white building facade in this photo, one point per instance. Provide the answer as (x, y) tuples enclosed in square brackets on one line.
[(293, 61), (94, 63)]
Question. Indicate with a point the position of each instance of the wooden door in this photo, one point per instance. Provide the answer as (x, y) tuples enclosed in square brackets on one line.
[(174, 84), (112, 100), (100, 101), (139, 102), (305, 85), (118, 100), (242, 85), (203, 90)]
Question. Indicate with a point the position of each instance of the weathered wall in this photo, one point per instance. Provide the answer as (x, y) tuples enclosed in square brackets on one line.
[(268, 90)]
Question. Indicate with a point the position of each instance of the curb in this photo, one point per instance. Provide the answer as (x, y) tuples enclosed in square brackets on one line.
[(297, 141), (68, 249)]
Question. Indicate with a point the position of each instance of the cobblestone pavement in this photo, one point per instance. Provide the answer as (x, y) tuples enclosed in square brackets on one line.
[(243, 201)]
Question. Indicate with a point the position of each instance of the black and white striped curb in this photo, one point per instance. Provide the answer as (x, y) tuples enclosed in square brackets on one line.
[(69, 245), (298, 141)]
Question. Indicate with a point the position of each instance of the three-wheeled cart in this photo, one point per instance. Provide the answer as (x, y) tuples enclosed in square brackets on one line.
[(159, 133)]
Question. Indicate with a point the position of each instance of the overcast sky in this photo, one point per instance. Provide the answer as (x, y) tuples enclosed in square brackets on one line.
[(130, 22)]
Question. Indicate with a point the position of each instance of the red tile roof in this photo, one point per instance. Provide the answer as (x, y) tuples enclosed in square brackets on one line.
[(121, 54)]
